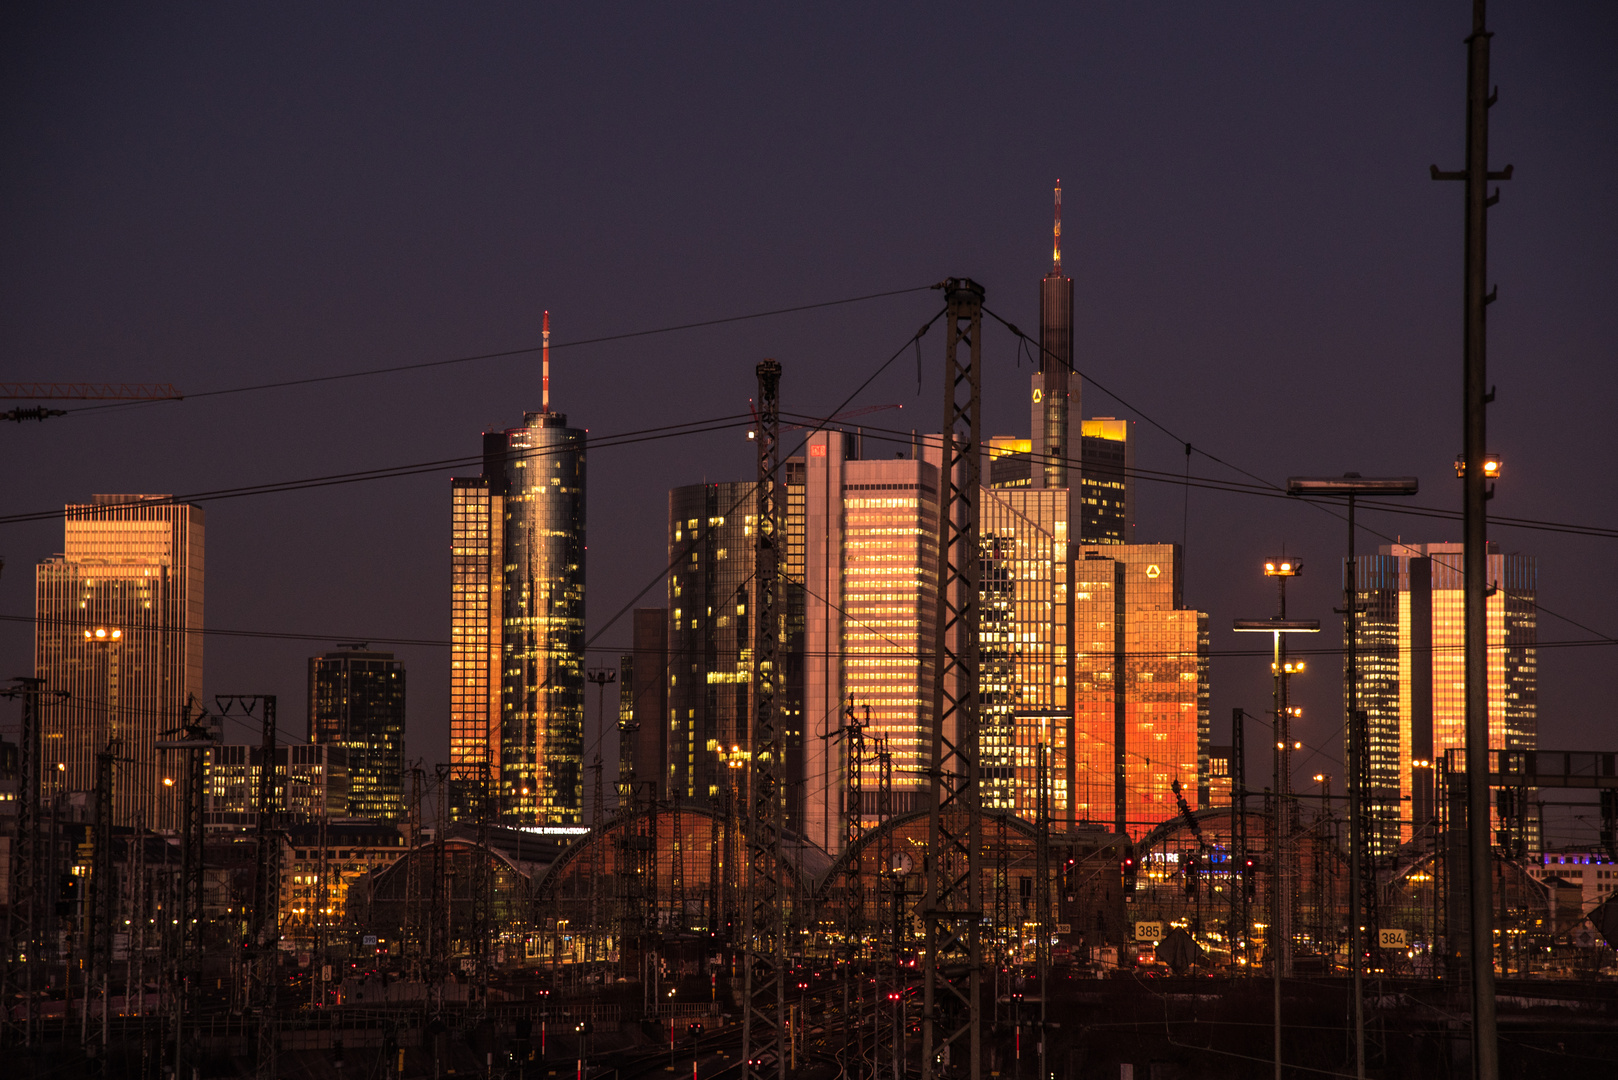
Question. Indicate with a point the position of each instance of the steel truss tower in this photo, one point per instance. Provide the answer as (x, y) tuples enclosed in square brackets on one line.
[(764, 987), (25, 908), (264, 934), (952, 907)]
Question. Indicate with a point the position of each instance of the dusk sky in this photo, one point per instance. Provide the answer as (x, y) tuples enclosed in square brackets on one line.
[(220, 196)]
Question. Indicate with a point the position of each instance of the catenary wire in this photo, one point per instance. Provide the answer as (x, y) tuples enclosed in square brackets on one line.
[(523, 351)]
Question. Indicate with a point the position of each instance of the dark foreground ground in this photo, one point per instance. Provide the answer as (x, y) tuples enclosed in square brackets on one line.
[(1163, 1029)]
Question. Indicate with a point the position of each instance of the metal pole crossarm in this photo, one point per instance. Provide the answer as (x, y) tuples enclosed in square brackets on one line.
[(1351, 484), (952, 907), (1476, 491), (64, 391), (764, 986)]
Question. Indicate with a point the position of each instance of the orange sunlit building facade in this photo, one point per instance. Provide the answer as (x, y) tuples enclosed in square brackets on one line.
[(1140, 687)]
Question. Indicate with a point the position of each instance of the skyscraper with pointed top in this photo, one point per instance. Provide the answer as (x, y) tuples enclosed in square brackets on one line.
[(1055, 398), (517, 613)]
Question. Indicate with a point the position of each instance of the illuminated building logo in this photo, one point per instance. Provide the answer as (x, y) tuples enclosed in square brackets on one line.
[(1039, 395), (1153, 572), (817, 450)]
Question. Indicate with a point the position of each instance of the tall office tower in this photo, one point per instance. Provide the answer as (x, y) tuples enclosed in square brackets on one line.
[(1025, 651), (709, 634), (1056, 397), (870, 553), (643, 703), (542, 657), (1412, 673), (477, 569), (1107, 493), (119, 628), (790, 601), (357, 702), (1140, 687), (517, 602)]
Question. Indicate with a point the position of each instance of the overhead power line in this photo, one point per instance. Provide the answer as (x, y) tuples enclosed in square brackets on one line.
[(526, 349)]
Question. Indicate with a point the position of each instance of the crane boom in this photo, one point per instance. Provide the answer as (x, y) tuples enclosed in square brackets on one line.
[(68, 391)]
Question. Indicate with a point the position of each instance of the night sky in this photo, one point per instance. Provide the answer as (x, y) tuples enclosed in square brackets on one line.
[(225, 195)]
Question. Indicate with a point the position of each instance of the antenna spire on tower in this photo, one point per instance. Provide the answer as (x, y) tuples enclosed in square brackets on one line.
[(545, 366), (1056, 255)]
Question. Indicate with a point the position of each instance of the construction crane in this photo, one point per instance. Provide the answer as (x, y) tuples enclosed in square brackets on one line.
[(849, 415), (63, 391)]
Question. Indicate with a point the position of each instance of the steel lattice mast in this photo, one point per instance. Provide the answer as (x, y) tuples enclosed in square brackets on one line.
[(25, 911), (952, 908), (764, 989)]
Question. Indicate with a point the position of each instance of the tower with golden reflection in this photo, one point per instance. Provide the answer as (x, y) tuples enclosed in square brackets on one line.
[(119, 629)]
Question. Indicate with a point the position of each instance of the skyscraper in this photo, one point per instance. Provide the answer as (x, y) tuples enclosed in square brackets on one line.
[(477, 575), (1140, 687), (119, 628), (870, 561), (517, 610), (709, 636), (1107, 494), (542, 655), (357, 702), (1056, 397), (1025, 649), (643, 710), (1412, 671)]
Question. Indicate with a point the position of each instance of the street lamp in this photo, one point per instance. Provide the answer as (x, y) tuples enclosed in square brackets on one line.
[(1351, 486), (1281, 670)]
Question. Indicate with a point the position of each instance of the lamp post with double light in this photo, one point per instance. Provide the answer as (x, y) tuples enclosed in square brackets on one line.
[(1281, 671), (1362, 885)]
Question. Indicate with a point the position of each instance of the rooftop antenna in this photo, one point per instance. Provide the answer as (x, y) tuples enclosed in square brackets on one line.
[(1056, 252), (545, 366)]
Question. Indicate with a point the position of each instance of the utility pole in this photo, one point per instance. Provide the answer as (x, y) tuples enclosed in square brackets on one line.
[(952, 907), (1279, 933), (264, 934), (415, 938), (26, 924), (194, 740), (764, 927), (101, 906), (1238, 776), (1477, 489), (1362, 813)]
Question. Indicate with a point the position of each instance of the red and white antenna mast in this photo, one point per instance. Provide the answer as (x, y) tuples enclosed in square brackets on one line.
[(1056, 255), (544, 399)]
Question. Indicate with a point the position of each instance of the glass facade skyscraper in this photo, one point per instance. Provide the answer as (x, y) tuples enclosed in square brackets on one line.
[(709, 634), (1413, 672), (477, 575), (542, 651), (1025, 649), (517, 636), (357, 702), (1107, 492), (1140, 687), (870, 558), (119, 628)]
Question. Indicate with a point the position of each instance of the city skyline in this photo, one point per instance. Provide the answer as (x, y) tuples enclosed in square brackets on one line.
[(1174, 307), (946, 739)]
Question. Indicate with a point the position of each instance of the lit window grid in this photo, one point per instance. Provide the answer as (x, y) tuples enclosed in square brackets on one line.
[(1386, 676), (136, 565), (541, 759), (475, 627), (889, 566), (1023, 633)]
